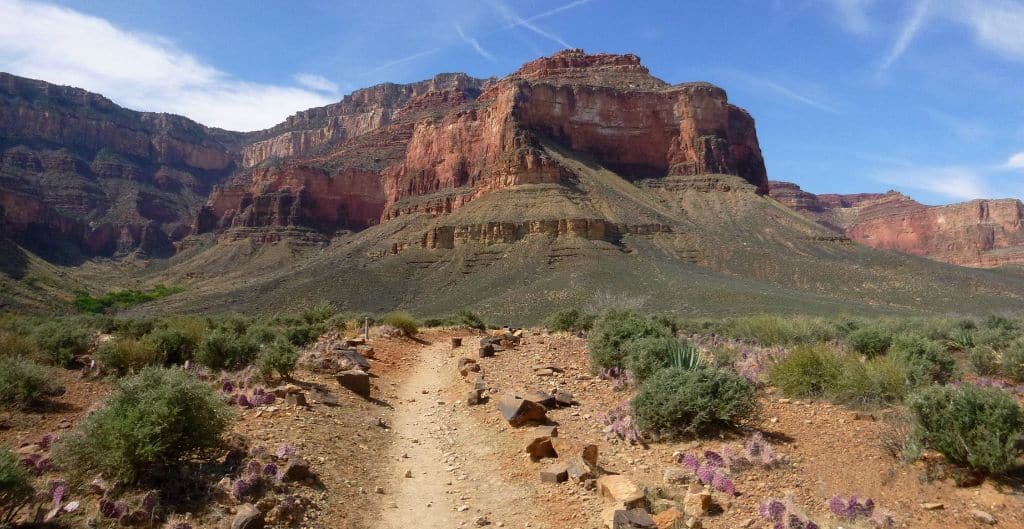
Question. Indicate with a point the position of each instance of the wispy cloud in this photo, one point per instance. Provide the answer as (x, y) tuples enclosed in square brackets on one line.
[(784, 91), (1016, 161), (316, 82), (514, 20), (137, 70), (473, 43), (958, 183), (965, 129), (559, 9), (997, 24), (403, 60), (853, 14), (906, 35)]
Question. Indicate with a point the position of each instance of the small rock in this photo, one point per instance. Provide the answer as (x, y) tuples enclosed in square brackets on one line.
[(669, 518), (247, 516), (555, 473), (697, 504), (676, 476), (408, 473), (983, 517), (620, 490), (933, 506), (540, 447), (297, 469), (633, 519), (520, 412), (356, 381)]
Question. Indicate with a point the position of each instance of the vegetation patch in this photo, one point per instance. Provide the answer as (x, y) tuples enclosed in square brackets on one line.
[(120, 299), (692, 401)]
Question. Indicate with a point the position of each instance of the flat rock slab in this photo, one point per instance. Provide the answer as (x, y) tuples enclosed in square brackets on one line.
[(520, 412), (620, 490), (356, 381), (555, 473), (633, 519)]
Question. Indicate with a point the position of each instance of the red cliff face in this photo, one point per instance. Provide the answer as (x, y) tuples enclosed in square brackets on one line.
[(433, 146), (978, 233), (81, 176)]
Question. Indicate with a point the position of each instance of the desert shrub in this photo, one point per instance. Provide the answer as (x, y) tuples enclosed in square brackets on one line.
[(17, 345), (807, 371), (470, 319), (645, 356), (129, 327), (225, 350), (724, 357), (318, 313), (961, 339), (680, 401), (126, 355), (875, 382), (925, 362), (982, 360), (613, 330), (570, 320), (969, 425), (870, 341), (1013, 361), (403, 321), (61, 340), (772, 329), (15, 487), (230, 323), (174, 346), (24, 383), (302, 334), (150, 422), (278, 357)]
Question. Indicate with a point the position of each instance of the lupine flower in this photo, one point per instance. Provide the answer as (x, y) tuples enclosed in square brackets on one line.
[(722, 482), (690, 462), (706, 474), (284, 451), (713, 459)]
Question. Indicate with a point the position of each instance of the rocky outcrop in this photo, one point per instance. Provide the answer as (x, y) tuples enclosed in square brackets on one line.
[(978, 233), (81, 176), (432, 147), (358, 113)]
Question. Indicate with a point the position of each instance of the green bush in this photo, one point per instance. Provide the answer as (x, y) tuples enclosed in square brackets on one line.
[(129, 327), (679, 401), (570, 320), (126, 355), (13, 344), (402, 321), (646, 356), (471, 319), (24, 383), (122, 298), (301, 335), (970, 425), (1013, 361), (876, 382), (924, 361), (318, 313), (613, 330), (61, 340), (15, 487), (807, 371), (152, 421), (174, 346), (870, 341), (772, 329), (225, 350), (961, 339), (278, 357), (983, 361)]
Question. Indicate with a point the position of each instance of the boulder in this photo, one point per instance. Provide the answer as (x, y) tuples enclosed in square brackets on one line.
[(554, 473), (669, 518), (544, 399), (520, 412), (247, 516), (467, 366), (456, 342), (983, 517), (633, 519), (285, 390), (486, 351), (547, 430), (579, 470), (297, 469), (356, 381), (296, 399), (675, 475), (474, 397), (540, 447), (564, 398), (697, 503), (618, 489)]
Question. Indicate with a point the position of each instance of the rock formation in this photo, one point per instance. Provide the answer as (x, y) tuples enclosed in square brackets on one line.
[(978, 233), (80, 175), (431, 147)]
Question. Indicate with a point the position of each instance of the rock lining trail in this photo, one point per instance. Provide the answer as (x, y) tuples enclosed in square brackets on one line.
[(445, 471)]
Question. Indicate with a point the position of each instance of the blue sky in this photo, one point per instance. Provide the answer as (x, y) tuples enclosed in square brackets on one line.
[(849, 95)]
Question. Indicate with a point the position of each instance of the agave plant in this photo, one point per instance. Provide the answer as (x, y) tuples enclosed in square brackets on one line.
[(961, 339), (685, 356)]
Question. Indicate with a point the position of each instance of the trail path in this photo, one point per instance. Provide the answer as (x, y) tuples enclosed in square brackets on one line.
[(456, 475)]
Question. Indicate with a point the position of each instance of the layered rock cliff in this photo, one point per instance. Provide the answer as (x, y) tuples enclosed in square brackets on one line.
[(81, 176), (434, 146), (978, 233)]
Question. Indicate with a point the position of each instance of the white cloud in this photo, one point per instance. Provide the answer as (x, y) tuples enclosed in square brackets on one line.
[(958, 183), (853, 14), (997, 24), (784, 91), (137, 70), (907, 34), (1015, 162), (473, 43), (515, 20), (966, 129), (316, 82)]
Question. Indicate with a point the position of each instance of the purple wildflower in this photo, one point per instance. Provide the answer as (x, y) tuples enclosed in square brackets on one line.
[(243, 401), (270, 470), (149, 502), (690, 462), (706, 474), (722, 483), (284, 451), (713, 459), (772, 510)]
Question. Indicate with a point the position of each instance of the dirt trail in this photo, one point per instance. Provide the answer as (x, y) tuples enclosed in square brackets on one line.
[(457, 477)]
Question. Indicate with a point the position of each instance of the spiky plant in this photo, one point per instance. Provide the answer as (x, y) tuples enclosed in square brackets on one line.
[(685, 356)]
